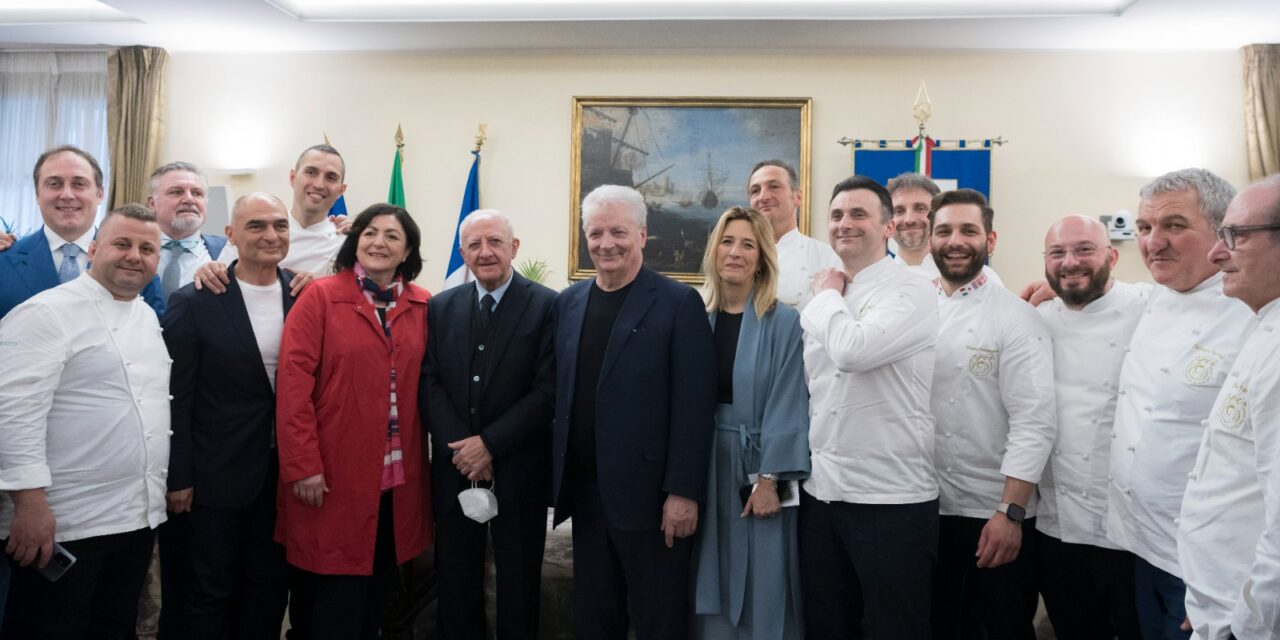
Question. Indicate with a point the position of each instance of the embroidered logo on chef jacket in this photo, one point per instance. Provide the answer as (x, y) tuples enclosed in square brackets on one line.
[(1203, 362), (1233, 411), (982, 362)]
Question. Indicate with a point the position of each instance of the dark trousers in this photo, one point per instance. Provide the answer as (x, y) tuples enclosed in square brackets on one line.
[(1160, 598), (340, 607), (96, 598), (867, 567), (613, 568), (237, 585), (983, 604), (1088, 590), (518, 534), (175, 574)]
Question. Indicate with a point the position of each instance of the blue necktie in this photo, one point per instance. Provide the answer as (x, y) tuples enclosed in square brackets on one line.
[(69, 269)]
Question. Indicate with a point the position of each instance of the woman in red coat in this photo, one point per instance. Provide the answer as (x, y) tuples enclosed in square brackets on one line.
[(354, 498)]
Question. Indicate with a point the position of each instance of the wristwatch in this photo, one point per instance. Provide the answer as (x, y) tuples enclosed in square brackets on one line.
[(1013, 512), (768, 476)]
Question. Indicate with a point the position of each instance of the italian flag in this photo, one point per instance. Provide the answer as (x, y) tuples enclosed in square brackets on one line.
[(923, 146)]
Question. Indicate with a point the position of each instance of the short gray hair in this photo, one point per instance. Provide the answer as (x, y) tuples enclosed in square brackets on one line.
[(615, 195), (913, 181), (173, 166), (1213, 193), (485, 214)]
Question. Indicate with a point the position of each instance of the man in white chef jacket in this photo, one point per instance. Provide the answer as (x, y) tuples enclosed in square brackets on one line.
[(774, 190), (912, 195), (1229, 529), (1086, 581), (317, 179), (869, 510), (1177, 362), (993, 404), (84, 439)]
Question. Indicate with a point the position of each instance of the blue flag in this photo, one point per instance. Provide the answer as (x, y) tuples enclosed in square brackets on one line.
[(339, 207), (457, 272)]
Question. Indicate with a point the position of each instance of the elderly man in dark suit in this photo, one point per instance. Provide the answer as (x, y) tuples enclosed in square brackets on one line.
[(488, 383), (223, 465), (635, 396), (68, 183)]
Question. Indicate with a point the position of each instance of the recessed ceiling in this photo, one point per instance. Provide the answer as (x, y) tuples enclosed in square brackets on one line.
[(58, 12), (242, 26)]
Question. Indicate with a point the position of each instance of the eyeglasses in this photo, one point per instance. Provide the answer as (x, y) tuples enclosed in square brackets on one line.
[(1228, 234), (1082, 252)]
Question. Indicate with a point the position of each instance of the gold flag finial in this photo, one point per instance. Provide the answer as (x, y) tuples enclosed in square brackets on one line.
[(326, 139), (481, 135), (399, 137), (922, 109)]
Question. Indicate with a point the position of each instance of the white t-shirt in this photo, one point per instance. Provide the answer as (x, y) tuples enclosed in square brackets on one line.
[(311, 249), (266, 313)]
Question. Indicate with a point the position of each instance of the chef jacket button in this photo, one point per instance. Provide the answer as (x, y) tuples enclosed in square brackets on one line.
[(171, 432), (1177, 520), (1127, 491), (948, 469), (1086, 456), (837, 375), (1084, 494), (148, 436), (1195, 332), (1126, 349), (128, 363), (115, 328), (475, 378), (1164, 369), (1132, 448), (1058, 451), (833, 412), (164, 473), (1112, 343), (480, 348), (1204, 423), (1235, 373), (1147, 409), (1122, 392), (951, 400), (473, 411), (947, 434), (170, 360), (1110, 478), (169, 397), (1191, 475)]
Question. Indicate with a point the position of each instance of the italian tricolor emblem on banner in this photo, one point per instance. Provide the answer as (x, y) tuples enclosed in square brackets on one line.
[(923, 146)]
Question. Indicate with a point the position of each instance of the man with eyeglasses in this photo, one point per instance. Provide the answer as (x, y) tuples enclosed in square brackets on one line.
[(1229, 528), (993, 403), (1177, 361), (1086, 581)]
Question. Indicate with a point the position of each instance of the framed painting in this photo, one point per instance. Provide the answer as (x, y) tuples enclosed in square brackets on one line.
[(689, 157)]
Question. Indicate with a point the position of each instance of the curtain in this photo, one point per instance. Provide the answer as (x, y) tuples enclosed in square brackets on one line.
[(135, 109), (47, 100), (1262, 108)]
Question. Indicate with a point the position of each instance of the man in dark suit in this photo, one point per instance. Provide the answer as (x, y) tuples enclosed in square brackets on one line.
[(487, 391), (68, 184), (635, 395), (223, 466)]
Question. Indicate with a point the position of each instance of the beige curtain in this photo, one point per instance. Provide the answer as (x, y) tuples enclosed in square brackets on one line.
[(1262, 108), (135, 119)]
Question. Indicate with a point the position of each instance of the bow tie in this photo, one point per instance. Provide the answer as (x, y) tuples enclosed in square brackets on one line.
[(189, 244), (385, 295)]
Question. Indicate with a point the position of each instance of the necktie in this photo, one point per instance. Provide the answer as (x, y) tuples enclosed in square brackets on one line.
[(486, 310), (188, 244), (69, 269), (171, 280)]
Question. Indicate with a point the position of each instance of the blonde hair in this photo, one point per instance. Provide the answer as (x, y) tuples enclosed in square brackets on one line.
[(766, 278)]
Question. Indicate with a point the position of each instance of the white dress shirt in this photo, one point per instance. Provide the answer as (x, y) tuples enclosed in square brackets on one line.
[(265, 305), (928, 269), (188, 260), (799, 257), (1176, 363), (1088, 349), (311, 249), (85, 415), (55, 247), (496, 293), (868, 357), (992, 397), (1229, 530)]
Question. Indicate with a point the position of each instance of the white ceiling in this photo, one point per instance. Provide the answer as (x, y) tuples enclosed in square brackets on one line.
[(258, 25)]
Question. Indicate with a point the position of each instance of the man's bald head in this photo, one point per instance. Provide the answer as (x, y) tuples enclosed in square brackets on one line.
[(1078, 258), (259, 229), (253, 202)]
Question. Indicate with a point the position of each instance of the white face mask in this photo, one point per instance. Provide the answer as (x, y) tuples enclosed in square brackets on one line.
[(478, 504)]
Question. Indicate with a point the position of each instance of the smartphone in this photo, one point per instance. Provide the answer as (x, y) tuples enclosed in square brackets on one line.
[(58, 564)]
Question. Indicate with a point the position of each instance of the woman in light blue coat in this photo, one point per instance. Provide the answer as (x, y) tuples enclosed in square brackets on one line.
[(748, 572)]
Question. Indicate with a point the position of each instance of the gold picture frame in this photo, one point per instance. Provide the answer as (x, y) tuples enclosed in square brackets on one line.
[(690, 157)]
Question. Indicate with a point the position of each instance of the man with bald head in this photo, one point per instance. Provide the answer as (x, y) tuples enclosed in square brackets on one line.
[(488, 384), (1229, 528), (224, 468), (1086, 580)]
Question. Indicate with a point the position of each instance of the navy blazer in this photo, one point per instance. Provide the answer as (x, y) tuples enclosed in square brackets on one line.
[(223, 405), (517, 395), (27, 268), (655, 400)]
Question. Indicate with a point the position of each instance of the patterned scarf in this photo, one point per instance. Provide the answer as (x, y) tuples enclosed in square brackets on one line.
[(393, 456)]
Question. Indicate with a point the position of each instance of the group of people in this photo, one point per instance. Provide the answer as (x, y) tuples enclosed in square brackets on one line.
[(828, 440)]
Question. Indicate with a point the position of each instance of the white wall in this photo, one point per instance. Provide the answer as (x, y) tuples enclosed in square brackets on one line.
[(1086, 130)]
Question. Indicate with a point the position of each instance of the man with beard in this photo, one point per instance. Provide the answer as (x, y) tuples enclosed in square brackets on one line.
[(1086, 581), (1175, 365), (869, 510), (178, 196), (994, 406), (774, 190), (912, 195)]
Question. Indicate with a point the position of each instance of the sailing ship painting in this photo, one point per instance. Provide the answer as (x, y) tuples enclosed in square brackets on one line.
[(690, 163)]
